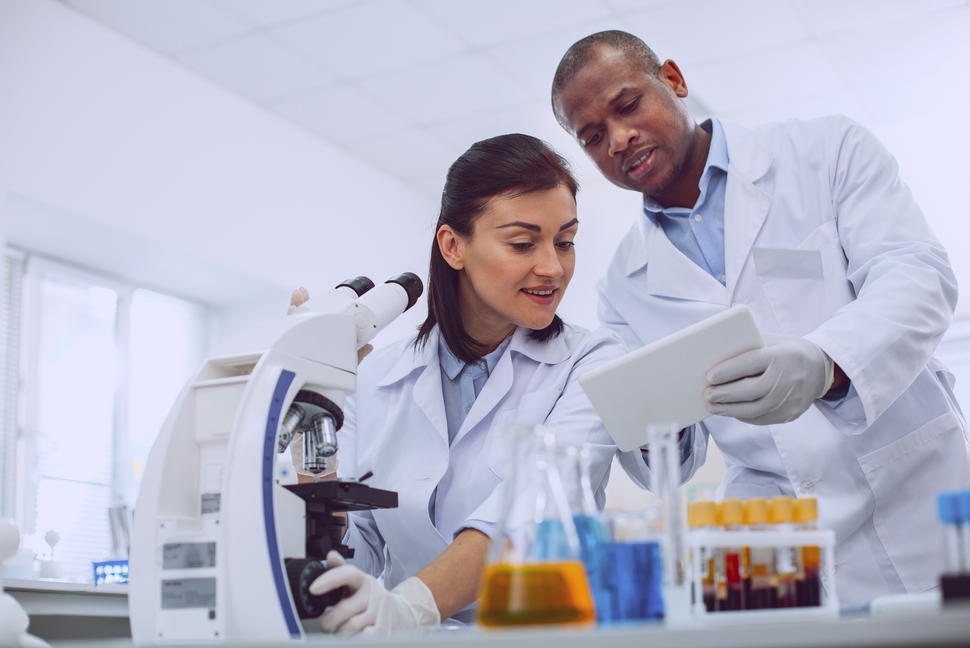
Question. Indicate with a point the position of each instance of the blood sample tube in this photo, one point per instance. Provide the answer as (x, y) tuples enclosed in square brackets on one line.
[(808, 586), (786, 559), (732, 517), (760, 560), (701, 515)]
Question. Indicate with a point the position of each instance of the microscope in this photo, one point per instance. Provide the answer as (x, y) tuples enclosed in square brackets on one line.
[(220, 550)]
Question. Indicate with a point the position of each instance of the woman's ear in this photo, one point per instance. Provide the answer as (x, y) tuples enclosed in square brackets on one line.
[(449, 243)]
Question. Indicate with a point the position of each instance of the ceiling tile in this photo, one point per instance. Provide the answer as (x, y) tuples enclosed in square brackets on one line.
[(830, 16), (716, 28), (369, 38), (258, 67), (778, 74), (264, 14), (413, 153), (840, 102), (170, 26), (887, 52), (500, 21), (459, 86), (341, 114), (534, 119), (534, 61)]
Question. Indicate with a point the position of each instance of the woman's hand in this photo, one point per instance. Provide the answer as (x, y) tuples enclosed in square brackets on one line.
[(370, 608), (301, 295)]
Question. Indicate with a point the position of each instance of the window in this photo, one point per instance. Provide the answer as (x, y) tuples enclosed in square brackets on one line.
[(92, 365)]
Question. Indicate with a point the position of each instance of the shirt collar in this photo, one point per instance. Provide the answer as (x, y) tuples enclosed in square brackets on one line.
[(452, 366), (717, 158)]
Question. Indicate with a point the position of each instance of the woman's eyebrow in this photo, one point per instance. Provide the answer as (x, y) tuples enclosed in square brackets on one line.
[(535, 228)]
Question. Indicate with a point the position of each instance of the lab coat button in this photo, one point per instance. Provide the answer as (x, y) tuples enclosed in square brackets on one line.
[(808, 486), (698, 217), (724, 278), (468, 409)]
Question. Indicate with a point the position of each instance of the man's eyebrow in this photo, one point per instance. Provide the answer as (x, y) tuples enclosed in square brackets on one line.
[(574, 221), (616, 98), (528, 226)]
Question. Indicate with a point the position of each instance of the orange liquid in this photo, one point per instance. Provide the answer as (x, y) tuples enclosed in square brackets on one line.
[(535, 594)]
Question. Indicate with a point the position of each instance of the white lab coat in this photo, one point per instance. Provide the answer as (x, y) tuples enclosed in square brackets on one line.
[(395, 427), (823, 240)]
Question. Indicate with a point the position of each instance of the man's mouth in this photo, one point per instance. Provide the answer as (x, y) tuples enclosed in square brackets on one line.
[(642, 163)]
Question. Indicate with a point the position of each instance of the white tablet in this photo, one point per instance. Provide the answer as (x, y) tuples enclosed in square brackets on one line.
[(663, 383)]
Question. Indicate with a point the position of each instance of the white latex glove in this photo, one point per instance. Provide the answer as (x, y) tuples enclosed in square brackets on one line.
[(299, 296), (774, 384), (370, 608)]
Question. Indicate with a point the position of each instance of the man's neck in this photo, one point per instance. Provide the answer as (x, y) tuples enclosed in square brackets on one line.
[(684, 191)]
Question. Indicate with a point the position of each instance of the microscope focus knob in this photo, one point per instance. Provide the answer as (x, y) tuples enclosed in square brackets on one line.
[(302, 572)]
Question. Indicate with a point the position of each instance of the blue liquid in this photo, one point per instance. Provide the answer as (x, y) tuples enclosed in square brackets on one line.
[(629, 583)]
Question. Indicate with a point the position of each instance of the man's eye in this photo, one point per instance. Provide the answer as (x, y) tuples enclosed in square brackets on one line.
[(630, 107), (592, 140)]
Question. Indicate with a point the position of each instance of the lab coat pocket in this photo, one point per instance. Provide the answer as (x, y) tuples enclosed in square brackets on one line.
[(905, 477), (793, 264), (533, 408)]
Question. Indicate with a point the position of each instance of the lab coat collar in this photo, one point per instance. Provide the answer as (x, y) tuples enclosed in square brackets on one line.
[(413, 359), (671, 273), (552, 351)]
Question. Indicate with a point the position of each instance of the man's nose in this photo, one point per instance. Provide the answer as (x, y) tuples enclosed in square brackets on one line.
[(621, 137)]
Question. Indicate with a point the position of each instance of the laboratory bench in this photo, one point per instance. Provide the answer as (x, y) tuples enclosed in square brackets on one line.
[(948, 628), (66, 610)]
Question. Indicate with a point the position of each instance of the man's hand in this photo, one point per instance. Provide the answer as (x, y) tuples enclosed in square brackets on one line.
[(774, 384), (370, 608)]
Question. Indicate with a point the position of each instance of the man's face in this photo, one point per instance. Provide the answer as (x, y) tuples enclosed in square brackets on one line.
[(630, 123)]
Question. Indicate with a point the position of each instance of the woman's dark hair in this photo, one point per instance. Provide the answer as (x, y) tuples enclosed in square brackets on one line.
[(508, 165)]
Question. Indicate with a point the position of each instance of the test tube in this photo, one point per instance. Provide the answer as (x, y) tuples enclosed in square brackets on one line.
[(731, 569), (808, 585), (701, 515), (786, 559), (759, 573), (665, 480)]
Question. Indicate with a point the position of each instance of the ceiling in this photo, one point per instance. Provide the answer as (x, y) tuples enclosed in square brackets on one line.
[(407, 85)]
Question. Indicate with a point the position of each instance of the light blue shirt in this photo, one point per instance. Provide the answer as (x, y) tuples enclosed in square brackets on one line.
[(699, 232), (461, 383)]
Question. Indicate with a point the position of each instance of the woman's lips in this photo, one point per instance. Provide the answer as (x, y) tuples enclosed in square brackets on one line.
[(544, 300)]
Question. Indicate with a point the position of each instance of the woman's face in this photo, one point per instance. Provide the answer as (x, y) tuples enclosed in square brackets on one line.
[(515, 266)]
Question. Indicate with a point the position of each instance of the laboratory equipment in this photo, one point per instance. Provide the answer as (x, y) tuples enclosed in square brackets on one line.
[(702, 515), (729, 563), (13, 619), (808, 585), (954, 512), (760, 590), (766, 598), (220, 550), (632, 568), (663, 382), (534, 574)]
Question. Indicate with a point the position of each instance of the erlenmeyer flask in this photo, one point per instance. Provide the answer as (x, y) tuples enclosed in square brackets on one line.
[(534, 574)]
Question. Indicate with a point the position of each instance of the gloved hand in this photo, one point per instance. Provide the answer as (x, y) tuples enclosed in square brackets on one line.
[(774, 384), (370, 608)]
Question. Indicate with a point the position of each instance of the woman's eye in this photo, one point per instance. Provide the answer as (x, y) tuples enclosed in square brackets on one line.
[(565, 246), (521, 247)]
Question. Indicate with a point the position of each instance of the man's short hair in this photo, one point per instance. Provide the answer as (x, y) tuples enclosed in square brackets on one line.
[(583, 51)]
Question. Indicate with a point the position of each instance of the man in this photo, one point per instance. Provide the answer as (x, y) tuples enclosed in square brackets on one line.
[(809, 225)]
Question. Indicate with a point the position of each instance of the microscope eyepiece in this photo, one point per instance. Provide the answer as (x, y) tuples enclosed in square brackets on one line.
[(359, 285), (411, 284)]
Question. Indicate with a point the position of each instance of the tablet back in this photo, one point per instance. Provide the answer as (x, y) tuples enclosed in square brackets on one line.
[(663, 383)]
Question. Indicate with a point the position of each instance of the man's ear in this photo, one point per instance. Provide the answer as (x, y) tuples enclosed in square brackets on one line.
[(671, 76), (450, 245)]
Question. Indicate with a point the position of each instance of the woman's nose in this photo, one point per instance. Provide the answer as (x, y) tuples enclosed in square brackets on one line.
[(548, 264)]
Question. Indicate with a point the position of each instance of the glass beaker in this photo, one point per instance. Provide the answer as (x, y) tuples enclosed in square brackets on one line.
[(534, 574), (631, 569)]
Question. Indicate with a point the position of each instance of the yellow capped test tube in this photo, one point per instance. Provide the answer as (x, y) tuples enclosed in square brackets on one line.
[(786, 559), (702, 515), (808, 586), (760, 591)]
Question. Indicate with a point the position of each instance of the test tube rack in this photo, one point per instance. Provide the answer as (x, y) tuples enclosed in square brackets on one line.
[(823, 539)]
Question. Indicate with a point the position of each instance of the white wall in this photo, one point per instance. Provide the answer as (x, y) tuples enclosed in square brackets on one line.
[(98, 131)]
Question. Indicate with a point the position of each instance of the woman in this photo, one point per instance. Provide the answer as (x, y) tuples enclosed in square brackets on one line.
[(428, 410)]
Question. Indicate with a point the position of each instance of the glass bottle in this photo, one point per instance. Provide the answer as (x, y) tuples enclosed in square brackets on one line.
[(534, 574), (759, 583), (808, 585)]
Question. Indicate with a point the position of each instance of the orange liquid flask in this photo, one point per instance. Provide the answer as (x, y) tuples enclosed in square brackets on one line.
[(534, 594), (534, 574)]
